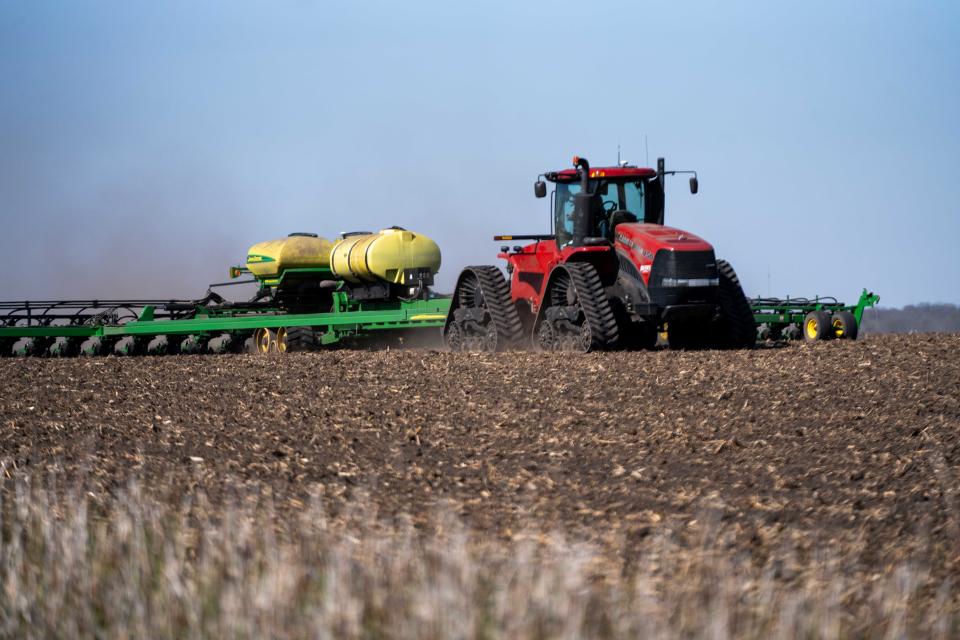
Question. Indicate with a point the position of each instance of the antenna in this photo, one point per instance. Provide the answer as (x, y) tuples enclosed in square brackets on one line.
[(646, 150), (618, 155)]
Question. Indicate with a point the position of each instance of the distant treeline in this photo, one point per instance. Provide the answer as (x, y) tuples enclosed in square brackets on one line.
[(913, 318)]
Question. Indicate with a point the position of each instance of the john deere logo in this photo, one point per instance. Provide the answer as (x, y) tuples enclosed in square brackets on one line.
[(253, 257)]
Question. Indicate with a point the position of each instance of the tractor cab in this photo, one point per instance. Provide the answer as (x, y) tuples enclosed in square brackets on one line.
[(608, 196), (613, 200)]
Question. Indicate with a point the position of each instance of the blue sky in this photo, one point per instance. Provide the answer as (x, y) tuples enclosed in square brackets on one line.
[(144, 146)]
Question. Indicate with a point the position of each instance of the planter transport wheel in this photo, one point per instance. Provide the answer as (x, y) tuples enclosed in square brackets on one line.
[(816, 326), (844, 325)]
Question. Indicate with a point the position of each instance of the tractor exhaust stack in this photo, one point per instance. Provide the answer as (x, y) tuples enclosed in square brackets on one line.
[(581, 203)]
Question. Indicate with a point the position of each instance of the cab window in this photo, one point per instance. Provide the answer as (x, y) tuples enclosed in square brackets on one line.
[(610, 196), (621, 202), (633, 198), (563, 211)]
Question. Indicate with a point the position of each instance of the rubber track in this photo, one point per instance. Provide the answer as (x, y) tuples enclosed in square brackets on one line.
[(596, 307), (496, 296), (741, 331)]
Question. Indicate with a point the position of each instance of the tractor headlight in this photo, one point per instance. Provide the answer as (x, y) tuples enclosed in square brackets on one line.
[(691, 282)]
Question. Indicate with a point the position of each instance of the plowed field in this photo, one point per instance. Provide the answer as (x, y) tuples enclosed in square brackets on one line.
[(825, 445)]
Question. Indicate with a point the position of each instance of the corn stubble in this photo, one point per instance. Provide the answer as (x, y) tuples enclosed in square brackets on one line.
[(73, 565)]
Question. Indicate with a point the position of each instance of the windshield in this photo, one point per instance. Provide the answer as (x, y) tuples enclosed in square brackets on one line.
[(622, 196), (611, 197)]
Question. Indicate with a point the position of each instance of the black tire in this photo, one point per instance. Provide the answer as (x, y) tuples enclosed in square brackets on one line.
[(816, 326), (302, 339), (735, 328), (844, 325)]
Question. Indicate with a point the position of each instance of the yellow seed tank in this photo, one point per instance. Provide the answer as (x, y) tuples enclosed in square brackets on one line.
[(297, 251), (387, 255)]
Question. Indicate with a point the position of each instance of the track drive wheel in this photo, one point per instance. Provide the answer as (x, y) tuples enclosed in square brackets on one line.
[(482, 314), (735, 328), (844, 325), (816, 326)]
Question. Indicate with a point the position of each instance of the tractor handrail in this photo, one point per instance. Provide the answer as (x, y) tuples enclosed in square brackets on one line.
[(527, 236)]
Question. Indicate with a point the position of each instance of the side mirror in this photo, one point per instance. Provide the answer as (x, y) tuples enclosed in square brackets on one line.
[(540, 189), (694, 185)]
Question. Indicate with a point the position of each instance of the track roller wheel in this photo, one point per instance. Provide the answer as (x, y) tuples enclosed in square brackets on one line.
[(454, 337), (482, 314), (816, 326), (844, 325), (583, 340), (264, 340), (546, 339)]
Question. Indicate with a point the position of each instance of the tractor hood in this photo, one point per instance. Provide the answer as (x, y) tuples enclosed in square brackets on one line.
[(646, 239)]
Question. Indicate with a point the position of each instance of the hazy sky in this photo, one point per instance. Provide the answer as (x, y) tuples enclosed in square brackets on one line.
[(145, 145)]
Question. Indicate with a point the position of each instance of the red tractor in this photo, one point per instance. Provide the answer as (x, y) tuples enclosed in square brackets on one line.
[(611, 275)]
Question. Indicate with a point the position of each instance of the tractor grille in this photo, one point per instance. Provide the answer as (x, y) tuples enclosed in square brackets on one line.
[(683, 277)]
